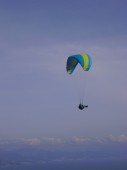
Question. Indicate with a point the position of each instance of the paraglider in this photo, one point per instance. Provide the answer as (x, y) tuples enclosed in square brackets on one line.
[(85, 61), (81, 106)]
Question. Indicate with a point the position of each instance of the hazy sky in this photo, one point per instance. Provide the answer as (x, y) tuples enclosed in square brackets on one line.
[(37, 96)]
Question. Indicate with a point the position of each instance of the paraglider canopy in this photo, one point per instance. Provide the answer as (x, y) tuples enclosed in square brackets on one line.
[(83, 59)]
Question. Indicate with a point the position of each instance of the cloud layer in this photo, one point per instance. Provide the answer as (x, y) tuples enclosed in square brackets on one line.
[(74, 140)]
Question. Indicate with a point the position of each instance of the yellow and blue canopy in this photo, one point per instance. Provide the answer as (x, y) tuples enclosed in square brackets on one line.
[(83, 59)]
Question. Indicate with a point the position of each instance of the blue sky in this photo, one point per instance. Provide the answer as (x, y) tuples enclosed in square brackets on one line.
[(37, 97)]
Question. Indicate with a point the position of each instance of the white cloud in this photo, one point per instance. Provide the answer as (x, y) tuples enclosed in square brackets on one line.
[(76, 139), (100, 140), (41, 141), (121, 138), (31, 141), (51, 140)]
